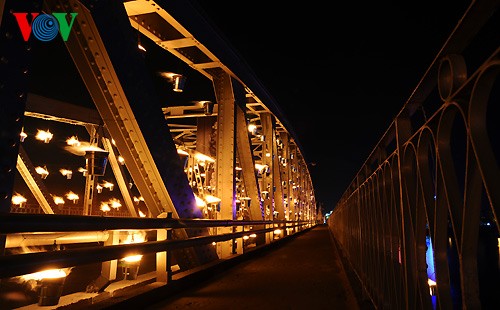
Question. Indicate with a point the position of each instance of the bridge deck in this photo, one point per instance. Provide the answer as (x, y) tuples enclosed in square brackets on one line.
[(309, 263)]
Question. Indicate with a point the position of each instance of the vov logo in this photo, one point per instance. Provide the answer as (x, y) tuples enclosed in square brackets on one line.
[(45, 27)]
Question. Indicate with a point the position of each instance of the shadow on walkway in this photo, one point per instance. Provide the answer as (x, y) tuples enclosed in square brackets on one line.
[(304, 272)]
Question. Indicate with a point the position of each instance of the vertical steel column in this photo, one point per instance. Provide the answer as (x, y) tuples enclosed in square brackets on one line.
[(226, 156), (247, 162), (267, 155), (204, 135), (277, 187)]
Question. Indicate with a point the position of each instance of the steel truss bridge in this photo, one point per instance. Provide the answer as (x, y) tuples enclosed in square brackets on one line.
[(144, 135)]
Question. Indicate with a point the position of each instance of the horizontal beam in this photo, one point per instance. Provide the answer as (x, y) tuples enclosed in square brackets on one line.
[(55, 110)]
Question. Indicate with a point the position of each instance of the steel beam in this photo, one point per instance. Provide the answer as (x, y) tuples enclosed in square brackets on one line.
[(226, 154), (34, 182), (245, 156)]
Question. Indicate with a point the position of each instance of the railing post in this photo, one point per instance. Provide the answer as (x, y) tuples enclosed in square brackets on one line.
[(164, 259)]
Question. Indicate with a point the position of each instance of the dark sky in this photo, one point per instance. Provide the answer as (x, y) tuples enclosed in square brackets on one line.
[(340, 72)]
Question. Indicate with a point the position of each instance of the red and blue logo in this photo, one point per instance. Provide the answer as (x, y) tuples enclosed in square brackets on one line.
[(45, 27)]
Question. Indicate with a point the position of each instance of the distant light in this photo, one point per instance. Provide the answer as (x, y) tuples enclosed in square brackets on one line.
[(67, 173), (114, 203), (141, 214), (200, 202), (105, 207), (212, 199), (23, 136), (18, 199), (121, 160), (42, 171), (182, 152), (72, 196), (142, 48), (58, 200), (261, 168), (137, 200), (44, 136), (73, 141), (203, 157), (108, 185), (252, 128)]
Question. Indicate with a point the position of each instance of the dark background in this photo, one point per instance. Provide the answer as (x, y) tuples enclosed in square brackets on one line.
[(340, 72)]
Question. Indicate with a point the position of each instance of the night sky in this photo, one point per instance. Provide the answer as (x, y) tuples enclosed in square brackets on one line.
[(339, 72)]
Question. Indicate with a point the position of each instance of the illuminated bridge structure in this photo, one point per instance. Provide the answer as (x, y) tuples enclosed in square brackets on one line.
[(145, 136)]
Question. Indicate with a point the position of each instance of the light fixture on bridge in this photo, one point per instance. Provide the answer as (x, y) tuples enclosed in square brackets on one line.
[(178, 80), (44, 136), (42, 171), (18, 200), (208, 107), (139, 44), (96, 161)]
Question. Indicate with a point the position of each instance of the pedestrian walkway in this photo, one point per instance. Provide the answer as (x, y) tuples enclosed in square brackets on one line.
[(302, 273)]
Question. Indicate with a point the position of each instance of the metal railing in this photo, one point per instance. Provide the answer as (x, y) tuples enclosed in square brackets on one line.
[(94, 235), (419, 223)]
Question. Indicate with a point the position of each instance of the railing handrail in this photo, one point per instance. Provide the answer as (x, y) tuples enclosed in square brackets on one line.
[(24, 223)]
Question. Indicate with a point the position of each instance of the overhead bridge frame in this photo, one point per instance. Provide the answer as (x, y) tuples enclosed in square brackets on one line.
[(257, 175)]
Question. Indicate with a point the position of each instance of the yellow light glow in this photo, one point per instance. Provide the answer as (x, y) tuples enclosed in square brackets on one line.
[(141, 214), (246, 237), (261, 168), (202, 157), (18, 199), (132, 258), (44, 136), (73, 141), (121, 160), (277, 231), (253, 235), (23, 136), (104, 207), (108, 185), (431, 282), (252, 128), (212, 199), (200, 202), (137, 200), (182, 152), (46, 274), (42, 171), (66, 172), (72, 196), (134, 237), (114, 203), (58, 200)]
